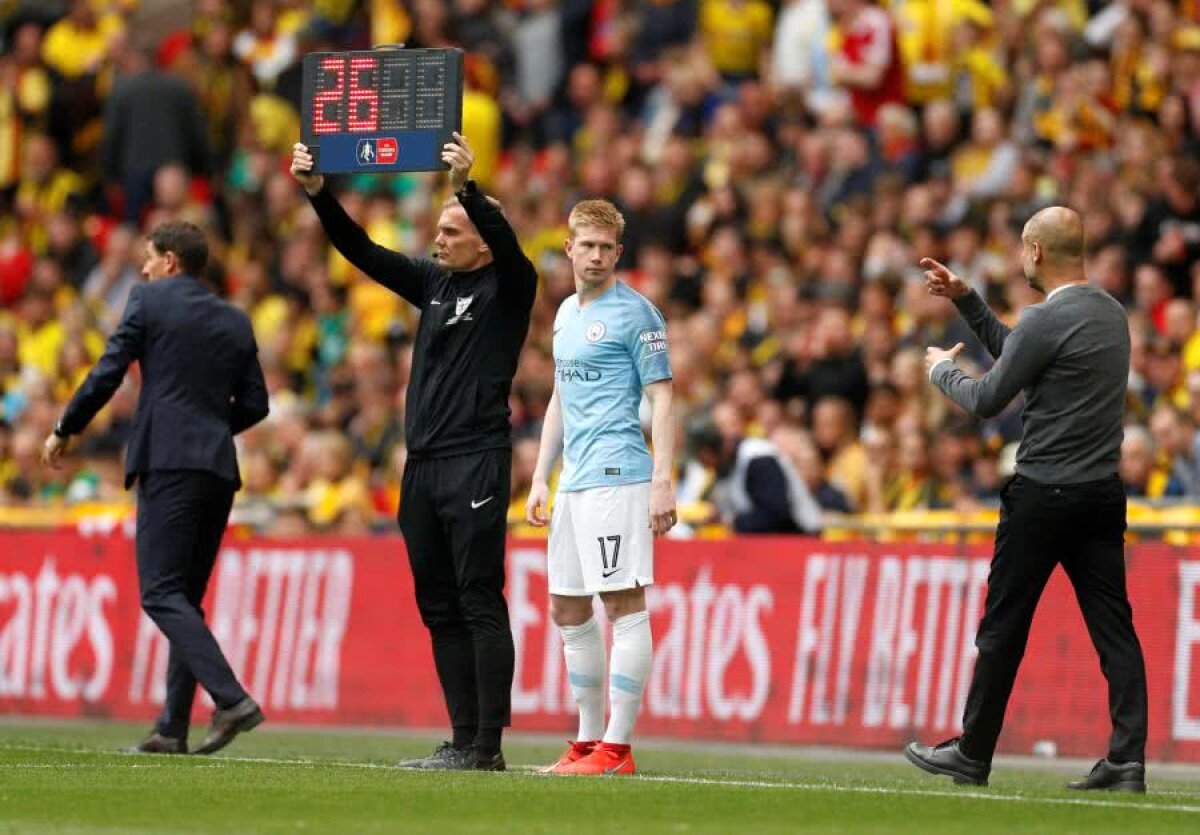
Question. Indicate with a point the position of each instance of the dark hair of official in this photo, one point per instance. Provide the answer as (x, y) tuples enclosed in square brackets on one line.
[(188, 243)]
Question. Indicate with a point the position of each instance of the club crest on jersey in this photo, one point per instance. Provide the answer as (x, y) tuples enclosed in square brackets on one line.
[(460, 311), (596, 331)]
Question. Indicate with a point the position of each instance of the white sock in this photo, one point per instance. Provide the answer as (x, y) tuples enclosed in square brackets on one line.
[(632, 653), (583, 647)]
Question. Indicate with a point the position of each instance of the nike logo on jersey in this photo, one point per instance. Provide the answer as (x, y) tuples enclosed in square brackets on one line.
[(607, 574), (476, 505), (434, 301)]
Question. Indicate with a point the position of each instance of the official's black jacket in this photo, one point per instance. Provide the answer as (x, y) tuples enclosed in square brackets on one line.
[(201, 379), (472, 327)]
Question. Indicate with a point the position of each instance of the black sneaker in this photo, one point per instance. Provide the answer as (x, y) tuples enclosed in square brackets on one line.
[(1109, 776), (446, 758), (946, 759)]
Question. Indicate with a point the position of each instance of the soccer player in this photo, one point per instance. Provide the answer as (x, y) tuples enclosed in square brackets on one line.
[(610, 347)]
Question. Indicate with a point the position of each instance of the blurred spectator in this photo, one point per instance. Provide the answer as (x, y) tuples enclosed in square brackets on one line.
[(336, 497), (78, 44), (736, 33), (1174, 436), (804, 455), (759, 490), (800, 55), (833, 365), (25, 89), (107, 285), (868, 61), (44, 188), (222, 83), (152, 118), (70, 248), (265, 45), (835, 435), (1143, 475), (537, 48)]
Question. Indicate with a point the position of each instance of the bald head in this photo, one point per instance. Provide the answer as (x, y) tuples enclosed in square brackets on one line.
[(1059, 231), (1052, 249)]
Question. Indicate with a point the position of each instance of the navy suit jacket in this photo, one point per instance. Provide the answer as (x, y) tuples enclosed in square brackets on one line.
[(201, 380)]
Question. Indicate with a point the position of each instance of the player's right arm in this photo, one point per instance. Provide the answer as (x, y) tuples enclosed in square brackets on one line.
[(407, 277), (548, 452)]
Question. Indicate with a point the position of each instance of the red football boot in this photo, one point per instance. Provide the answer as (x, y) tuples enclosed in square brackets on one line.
[(606, 758), (576, 751)]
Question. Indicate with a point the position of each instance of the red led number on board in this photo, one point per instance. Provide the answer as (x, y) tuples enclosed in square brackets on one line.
[(363, 69), (332, 96)]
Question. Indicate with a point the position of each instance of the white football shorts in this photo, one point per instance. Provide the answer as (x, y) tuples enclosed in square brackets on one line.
[(600, 540)]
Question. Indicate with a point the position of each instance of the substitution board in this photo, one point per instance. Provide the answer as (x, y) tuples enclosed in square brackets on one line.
[(381, 110)]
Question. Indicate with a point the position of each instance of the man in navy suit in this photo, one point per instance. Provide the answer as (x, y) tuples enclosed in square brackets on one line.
[(201, 385)]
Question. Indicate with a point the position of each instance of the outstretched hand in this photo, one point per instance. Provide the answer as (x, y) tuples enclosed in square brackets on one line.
[(935, 355), (940, 281), (459, 156)]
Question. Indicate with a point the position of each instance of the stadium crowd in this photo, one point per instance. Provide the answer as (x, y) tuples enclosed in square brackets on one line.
[(781, 165)]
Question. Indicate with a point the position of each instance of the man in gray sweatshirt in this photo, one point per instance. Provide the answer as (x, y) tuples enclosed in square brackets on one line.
[(1066, 504)]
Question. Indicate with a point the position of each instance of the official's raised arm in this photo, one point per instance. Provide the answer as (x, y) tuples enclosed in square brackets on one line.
[(405, 276)]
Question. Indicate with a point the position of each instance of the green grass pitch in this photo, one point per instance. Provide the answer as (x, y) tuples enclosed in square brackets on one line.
[(66, 778)]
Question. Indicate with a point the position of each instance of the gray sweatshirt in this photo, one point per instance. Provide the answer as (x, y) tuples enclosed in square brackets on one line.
[(1070, 355)]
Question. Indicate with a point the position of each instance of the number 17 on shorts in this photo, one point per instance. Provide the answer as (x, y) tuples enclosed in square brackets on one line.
[(600, 540)]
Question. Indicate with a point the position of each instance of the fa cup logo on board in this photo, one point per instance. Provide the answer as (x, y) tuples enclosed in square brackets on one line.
[(596, 331)]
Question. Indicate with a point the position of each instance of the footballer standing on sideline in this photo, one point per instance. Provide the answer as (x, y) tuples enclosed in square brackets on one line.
[(475, 298), (614, 496)]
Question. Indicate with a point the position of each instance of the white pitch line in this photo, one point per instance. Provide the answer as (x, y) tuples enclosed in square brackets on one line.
[(967, 794), (23, 766)]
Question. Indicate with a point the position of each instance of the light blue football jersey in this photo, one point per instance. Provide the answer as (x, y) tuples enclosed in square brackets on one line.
[(603, 355)]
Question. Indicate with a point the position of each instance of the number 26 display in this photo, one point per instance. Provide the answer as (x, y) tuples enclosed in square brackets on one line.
[(381, 110)]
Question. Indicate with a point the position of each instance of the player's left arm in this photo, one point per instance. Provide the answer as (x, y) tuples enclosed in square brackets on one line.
[(514, 267), (647, 344), (1029, 349), (662, 443)]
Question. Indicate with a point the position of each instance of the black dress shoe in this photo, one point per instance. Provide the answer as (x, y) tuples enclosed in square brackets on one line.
[(156, 743), (445, 758), (492, 763), (1123, 777), (946, 759), (227, 724)]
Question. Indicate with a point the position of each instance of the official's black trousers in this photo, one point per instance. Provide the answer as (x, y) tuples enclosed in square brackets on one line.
[(453, 514), (1080, 526), (181, 517)]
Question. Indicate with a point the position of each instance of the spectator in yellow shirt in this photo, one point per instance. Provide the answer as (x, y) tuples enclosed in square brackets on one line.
[(43, 191), (39, 333), (481, 119), (736, 33), (980, 76), (24, 98), (78, 44), (926, 32), (336, 490)]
